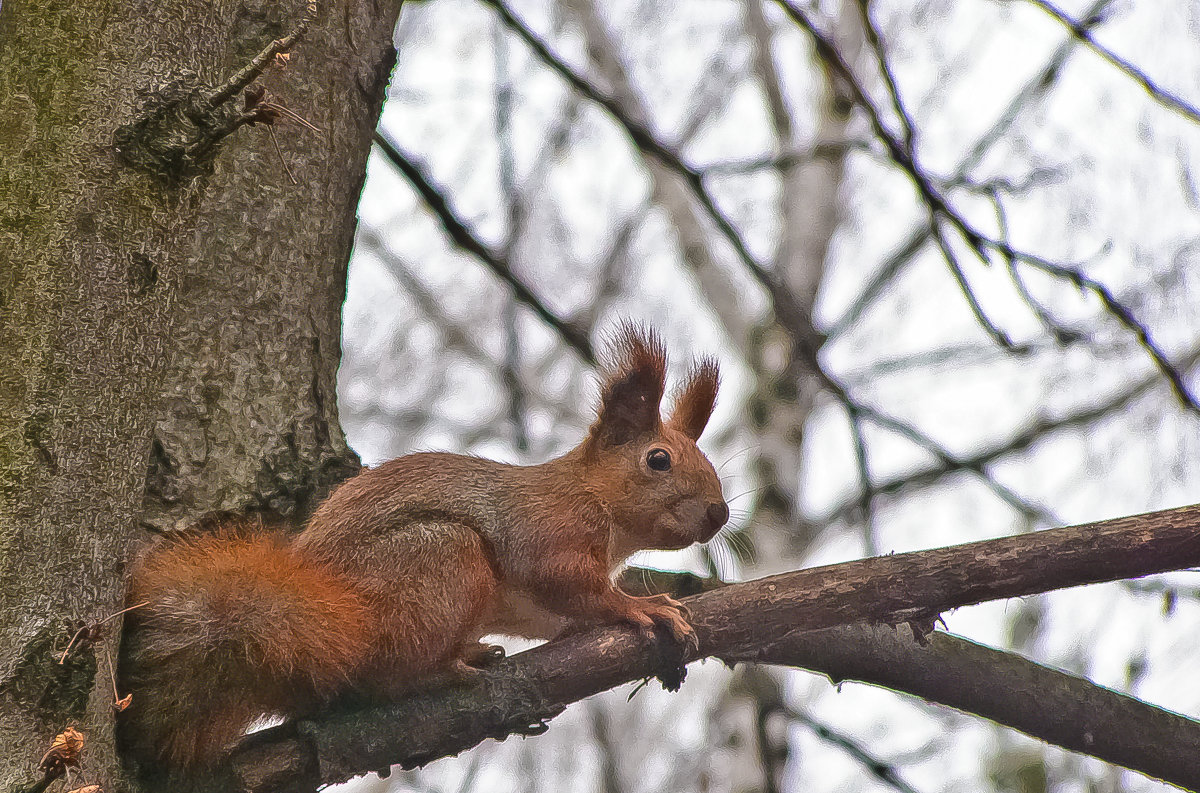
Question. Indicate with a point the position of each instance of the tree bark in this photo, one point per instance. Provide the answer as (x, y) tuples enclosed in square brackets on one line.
[(790, 618), (169, 328)]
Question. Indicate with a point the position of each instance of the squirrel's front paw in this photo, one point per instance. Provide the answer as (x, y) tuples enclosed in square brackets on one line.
[(669, 613), (662, 612)]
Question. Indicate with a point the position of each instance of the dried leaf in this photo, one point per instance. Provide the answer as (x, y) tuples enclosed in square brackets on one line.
[(63, 753)]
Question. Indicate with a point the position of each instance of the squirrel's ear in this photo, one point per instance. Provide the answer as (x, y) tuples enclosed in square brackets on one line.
[(696, 398), (632, 392)]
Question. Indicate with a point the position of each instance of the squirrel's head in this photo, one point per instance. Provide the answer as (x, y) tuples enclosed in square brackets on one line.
[(660, 489)]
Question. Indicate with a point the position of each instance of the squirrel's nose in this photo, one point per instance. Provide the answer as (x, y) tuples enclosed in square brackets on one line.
[(718, 513)]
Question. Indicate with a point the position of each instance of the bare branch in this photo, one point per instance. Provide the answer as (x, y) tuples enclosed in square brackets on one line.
[(884, 772), (1060, 334), (1019, 441), (1081, 31), (939, 210), (1036, 86), (667, 189), (770, 749), (1115, 307), (792, 315), (945, 458), (610, 769), (643, 139), (939, 237), (907, 131), (250, 72), (785, 161), (866, 499), (1045, 703), (464, 238), (456, 336)]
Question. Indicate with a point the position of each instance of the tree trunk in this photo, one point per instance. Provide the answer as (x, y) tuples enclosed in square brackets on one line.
[(169, 307)]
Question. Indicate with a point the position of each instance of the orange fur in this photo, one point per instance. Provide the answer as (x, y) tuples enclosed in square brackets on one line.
[(696, 399), (297, 631), (406, 566)]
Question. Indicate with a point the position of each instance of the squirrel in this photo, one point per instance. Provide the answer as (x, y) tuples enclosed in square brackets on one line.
[(403, 569)]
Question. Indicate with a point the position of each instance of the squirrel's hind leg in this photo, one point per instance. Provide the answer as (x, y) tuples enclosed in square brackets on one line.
[(432, 583)]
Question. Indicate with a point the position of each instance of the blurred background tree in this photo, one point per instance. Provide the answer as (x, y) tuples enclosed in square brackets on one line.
[(947, 255)]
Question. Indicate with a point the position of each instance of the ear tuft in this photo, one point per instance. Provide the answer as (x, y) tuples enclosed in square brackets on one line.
[(696, 398), (633, 389)]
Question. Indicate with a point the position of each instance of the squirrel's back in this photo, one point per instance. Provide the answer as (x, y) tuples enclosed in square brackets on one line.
[(235, 625)]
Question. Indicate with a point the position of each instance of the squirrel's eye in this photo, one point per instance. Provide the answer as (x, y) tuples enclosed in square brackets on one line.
[(659, 460)]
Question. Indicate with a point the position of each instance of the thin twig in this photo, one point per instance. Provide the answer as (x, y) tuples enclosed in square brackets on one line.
[(1082, 32), (906, 251), (951, 258), (258, 64), (785, 303), (1021, 440), (62, 658), (870, 537), (279, 153), (782, 162), (939, 209), (1060, 334), (464, 238), (907, 129), (881, 770), (790, 313), (1116, 308), (1028, 509)]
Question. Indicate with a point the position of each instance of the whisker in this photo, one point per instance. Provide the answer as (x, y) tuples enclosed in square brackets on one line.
[(719, 554), (645, 574), (708, 553), (747, 492), (737, 551), (737, 543), (738, 454)]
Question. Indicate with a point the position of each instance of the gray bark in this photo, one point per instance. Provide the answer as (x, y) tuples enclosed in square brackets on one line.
[(168, 330)]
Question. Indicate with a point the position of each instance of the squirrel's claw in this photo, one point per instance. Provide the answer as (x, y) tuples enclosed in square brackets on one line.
[(668, 601), (481, 656), (661, 614), (671, 614)]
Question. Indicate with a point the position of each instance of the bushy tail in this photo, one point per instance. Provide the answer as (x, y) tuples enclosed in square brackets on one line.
[(236, 626)]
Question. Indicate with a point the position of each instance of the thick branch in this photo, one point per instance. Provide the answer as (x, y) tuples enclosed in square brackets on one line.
[(744, 621), (1046, 703)]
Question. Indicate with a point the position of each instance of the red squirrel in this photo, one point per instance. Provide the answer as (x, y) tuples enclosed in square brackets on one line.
[(405, 567)]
